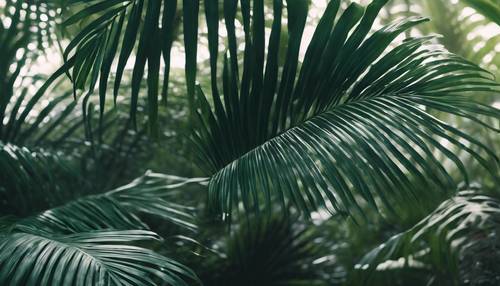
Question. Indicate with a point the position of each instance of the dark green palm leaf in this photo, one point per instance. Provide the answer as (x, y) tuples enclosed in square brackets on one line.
[(154, 194), (34, 181), (85, 241), (349, 127), (34, 257)]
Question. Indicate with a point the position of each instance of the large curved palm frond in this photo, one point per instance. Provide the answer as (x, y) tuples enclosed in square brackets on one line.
[(304, 137), (35, 257), (441, 241)]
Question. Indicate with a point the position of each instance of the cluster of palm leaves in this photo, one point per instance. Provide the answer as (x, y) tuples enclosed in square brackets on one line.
[(289, 152)]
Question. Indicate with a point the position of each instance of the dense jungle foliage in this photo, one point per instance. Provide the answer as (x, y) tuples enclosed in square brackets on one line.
[(249, 142)]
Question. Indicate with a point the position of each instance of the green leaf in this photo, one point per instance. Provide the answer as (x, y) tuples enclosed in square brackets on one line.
[(190, 21), (168, 21), (30, 180), (91, 11)]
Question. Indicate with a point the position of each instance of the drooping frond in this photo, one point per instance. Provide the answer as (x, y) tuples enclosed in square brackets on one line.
[(112, 29), (154, 194), (34, 257), (34, 181), (349, 127), (468, 221), (120, 208), (85, 241)]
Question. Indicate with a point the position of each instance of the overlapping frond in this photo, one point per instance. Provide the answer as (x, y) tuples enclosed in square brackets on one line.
[(35, 257), (348, 128), (117, 209), (154, 194), (468, 221), (85, 241)]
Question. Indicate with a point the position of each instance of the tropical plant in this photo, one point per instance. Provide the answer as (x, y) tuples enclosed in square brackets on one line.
[(466, 33), (317, 128), (17, 101), (364, 124), (87, 241), (459, 28), (32, 257), (440, 244)]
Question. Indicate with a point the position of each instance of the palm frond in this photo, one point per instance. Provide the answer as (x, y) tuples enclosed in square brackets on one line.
[(117, 209), (25, 129), (112, 29), (461, 30), (489, 8), (85, 241), (462, 34), (154, 193), (27, 25), (35, 257), (439, 241), (349, 127)]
